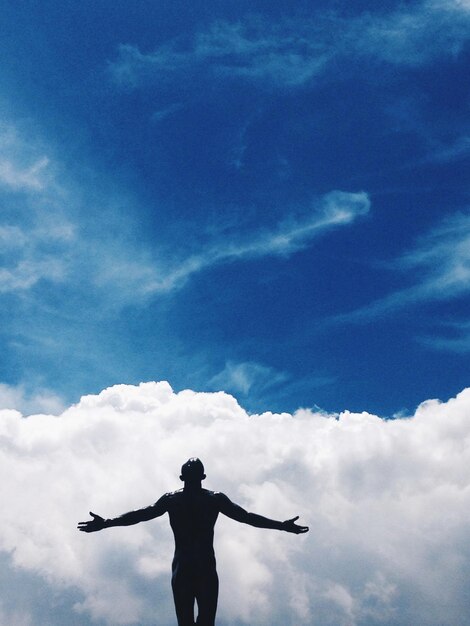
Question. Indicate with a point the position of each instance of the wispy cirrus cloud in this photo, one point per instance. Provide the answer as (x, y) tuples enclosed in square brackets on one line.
[(292, 53), (35, 234), (413, 35), (439, 265), (27, 273), (240, 378), (260, 385), (230, 49), (57, 232), (16, 177), (21, 166)]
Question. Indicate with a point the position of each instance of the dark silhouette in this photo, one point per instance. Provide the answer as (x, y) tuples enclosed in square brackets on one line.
[(193, 512)]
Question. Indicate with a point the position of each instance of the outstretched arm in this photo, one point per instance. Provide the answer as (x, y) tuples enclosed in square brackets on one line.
[(127, 519), (236, 512)]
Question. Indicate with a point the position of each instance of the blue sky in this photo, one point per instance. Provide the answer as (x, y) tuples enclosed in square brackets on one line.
[(261, 198)]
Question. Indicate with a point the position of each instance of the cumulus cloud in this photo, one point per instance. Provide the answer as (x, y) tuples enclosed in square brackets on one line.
[(41, 401), (293, 53), (386, 500)]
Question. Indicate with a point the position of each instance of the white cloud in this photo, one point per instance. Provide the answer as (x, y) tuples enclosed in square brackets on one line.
[(387, 503)]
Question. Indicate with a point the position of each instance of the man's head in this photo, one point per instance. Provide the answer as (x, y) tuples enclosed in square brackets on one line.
[(192, 471)]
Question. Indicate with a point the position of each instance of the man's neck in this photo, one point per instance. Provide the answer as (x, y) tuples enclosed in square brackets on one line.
[(190, 487)]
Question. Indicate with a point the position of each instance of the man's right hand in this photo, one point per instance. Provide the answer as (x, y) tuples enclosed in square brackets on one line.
[(91, 526)]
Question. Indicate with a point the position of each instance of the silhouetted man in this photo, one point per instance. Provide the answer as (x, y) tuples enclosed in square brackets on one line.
[(193, 512)]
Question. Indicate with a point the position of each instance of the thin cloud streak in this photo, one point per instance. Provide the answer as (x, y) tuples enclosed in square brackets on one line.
[(457, 339), (337, 208), (455, 151), (19, 178), (441, 259)]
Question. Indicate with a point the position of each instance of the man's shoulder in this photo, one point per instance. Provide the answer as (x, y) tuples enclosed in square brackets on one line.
[(205, 493), (213, 494), (172, 494), (218, 498)]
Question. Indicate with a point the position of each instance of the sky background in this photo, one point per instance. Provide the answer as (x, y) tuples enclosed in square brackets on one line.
[(270, 200), (264, 199)]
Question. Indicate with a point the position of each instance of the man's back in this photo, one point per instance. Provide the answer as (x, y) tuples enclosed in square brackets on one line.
[(193, 514)]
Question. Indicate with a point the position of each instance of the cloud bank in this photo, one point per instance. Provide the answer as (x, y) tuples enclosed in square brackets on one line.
[(387, 503)]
